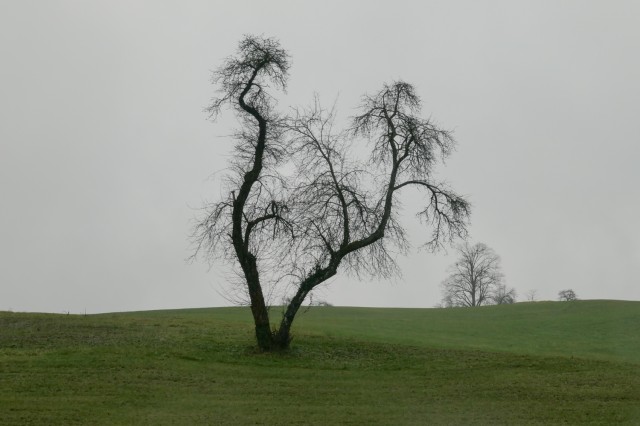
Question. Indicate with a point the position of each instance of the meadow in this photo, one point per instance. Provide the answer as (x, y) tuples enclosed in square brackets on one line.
[(527, 363)]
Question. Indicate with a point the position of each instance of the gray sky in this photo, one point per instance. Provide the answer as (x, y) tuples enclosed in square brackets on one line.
[(105, 152)]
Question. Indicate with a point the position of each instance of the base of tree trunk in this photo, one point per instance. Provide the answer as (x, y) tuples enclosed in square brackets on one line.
[(273, 341)]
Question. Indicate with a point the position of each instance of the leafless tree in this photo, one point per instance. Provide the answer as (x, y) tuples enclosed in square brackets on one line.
[(567, 295), (299, 206), (476, 279), (532, 295), (503, 295)]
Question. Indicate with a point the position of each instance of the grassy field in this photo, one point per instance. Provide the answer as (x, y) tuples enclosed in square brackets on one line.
[(529, 363)]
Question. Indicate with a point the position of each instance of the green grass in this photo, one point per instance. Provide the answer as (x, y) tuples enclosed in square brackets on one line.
[(531, 363), (595, 329)]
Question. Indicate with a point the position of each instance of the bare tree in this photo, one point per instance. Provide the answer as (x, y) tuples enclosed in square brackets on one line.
[(503, 295), (298, 206), (567, 295), (476, 279), (532, 295)]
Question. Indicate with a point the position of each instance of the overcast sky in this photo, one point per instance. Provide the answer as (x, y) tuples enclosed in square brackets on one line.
[(106, 154)]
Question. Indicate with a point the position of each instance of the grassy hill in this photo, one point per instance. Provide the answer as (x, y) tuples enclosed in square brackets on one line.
[(595, 329), (529, 363)]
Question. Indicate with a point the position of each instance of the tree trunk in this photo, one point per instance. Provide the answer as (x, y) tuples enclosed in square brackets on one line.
[(283, 336), (264, 336)]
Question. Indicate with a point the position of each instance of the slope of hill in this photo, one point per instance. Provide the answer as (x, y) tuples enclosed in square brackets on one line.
[(597, 329), (534, 363)]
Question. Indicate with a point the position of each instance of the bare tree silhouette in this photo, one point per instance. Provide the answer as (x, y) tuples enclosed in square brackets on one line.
[(567, 295), (299, 206), (476, 279)]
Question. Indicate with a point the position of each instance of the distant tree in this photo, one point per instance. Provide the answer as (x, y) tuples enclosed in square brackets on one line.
[(567, 295), (502, 295), (476, 279), (532, 295), (298, 207)]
